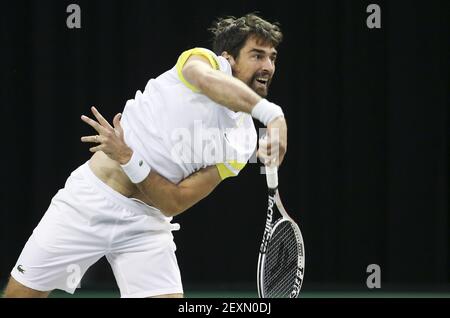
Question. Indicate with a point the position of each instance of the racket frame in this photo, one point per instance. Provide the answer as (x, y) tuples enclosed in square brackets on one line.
[(270, 227)]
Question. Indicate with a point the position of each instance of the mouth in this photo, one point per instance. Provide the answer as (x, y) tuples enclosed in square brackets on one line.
[(262, 81)]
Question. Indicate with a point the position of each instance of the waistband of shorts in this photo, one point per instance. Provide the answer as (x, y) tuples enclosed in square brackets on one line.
[(115, 196)]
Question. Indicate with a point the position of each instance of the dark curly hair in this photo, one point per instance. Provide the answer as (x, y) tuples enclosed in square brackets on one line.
[(230, 33)]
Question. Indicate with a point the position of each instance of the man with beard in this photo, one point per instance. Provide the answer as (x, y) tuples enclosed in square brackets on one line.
[(154, 163)]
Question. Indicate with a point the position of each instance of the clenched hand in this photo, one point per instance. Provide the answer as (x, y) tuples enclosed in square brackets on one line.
[(273, 146)]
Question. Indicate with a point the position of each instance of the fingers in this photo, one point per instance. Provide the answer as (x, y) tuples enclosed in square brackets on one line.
[(93, 139), (92, 123), (265, 159), (273, 135), (269, 146), (100, 118), (269, 150), (277, 135), (97, 148), (116, 122), (101, 125)]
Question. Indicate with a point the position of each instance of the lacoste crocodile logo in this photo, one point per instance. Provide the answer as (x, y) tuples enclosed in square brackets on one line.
[(20, 269)]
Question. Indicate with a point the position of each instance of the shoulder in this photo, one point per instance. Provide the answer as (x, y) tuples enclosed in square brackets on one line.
[(216, 62)]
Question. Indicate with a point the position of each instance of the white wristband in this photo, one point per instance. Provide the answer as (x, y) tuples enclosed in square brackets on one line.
[(266, 111), (136, 169)]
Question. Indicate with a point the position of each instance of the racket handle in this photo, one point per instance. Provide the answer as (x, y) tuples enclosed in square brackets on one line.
[(272, 177)]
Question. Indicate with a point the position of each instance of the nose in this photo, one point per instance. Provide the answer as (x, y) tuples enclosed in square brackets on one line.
[(268, 65)]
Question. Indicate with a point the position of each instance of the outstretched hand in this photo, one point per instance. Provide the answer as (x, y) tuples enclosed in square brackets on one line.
[(110, 139)]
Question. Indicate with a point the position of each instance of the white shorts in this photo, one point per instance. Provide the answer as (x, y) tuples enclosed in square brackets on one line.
[(87, 220)]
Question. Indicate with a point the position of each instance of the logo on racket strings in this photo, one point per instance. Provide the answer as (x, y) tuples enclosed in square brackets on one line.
[(297, 283), (268, 229)]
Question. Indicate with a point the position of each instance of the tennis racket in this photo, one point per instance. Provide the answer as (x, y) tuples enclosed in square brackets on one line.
[(281, 261)]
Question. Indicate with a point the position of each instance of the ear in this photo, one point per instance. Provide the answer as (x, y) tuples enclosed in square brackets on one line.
[(229, 58)]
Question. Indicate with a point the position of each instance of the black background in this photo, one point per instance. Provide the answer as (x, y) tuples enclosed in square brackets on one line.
[(366, 174)]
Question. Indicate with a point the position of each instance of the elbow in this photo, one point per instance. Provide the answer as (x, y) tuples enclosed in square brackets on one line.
[(173, 208), (171, 211)]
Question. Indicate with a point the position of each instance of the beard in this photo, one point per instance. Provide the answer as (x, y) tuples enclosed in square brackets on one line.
[(262, 89)]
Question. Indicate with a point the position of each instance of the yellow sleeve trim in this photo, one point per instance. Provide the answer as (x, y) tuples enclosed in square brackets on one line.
[(229, 169), (187, 54)]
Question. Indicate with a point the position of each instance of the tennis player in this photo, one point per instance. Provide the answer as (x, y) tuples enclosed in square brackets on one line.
[(154, 163)]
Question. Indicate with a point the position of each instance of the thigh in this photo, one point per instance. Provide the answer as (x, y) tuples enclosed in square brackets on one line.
[(41, 269), (70, 237), (150, 271)]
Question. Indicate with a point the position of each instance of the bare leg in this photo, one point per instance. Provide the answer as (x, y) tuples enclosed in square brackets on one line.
[(14, 289)]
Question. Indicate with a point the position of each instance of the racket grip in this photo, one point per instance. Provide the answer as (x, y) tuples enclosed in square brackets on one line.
[(272, 177)]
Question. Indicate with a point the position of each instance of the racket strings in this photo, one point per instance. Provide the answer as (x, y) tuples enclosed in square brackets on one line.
[(281, 262)]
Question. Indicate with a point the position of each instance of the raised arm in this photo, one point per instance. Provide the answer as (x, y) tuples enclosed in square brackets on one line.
[(220, 87), (199, 74)]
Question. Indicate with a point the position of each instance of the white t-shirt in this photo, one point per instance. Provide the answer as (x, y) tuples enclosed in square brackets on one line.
[(179, 131)]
